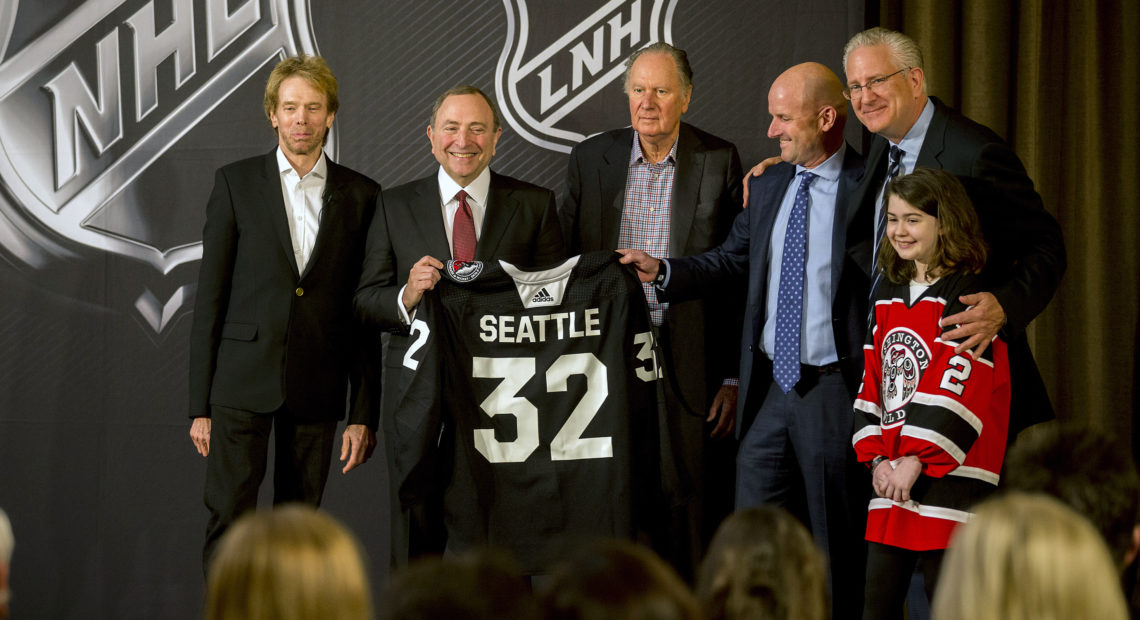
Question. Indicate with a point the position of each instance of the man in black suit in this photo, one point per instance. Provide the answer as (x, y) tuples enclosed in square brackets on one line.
[(810, 285), (273, 344), (465, 211), (670, 189), (887, 88)]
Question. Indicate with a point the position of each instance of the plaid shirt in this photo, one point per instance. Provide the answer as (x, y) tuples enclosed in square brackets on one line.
[(645, 217)]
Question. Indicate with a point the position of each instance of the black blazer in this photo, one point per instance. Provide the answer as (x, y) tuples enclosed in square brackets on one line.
[(1027, 251), (263, 333), (706, 198), (746, 251), (520, 226)]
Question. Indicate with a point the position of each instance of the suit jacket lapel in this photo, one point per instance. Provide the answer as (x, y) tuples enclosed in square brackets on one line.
[(274, 204), (426, 211), (497, 215), (763, 220), (686, 189), (613, 175), (935, 141)]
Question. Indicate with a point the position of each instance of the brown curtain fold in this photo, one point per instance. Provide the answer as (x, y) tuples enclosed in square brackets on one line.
[(1059, 80)]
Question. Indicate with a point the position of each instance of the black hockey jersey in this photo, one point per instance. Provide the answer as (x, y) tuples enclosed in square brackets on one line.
[(530, 397)]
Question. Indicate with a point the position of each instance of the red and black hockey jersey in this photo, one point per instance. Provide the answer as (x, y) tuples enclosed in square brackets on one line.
[(530, 396), (920, 398)]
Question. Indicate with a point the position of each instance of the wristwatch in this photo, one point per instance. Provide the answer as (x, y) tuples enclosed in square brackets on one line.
[(875, 462), (662, 273)]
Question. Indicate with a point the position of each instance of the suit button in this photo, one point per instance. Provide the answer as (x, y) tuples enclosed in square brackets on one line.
[(300, 291)]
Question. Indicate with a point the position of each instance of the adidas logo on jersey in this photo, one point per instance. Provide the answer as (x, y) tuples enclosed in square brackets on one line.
[(542, 296)]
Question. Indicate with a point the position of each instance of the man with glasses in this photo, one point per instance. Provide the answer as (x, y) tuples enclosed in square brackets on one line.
[(887, 88)]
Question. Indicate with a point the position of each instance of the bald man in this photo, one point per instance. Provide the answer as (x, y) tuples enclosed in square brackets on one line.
[(806, 257)]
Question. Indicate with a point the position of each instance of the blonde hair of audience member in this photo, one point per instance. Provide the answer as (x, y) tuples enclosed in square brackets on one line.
[(616, 580), (290, 563), (763, 565), (7, 543), (1028, 556)]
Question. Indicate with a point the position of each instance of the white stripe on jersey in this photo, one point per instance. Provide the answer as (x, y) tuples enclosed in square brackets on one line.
[(934, 512), (955, 406), (935, 438), (976, 473)]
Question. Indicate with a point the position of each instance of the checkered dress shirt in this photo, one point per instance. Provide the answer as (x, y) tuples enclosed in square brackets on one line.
[(645, 217)]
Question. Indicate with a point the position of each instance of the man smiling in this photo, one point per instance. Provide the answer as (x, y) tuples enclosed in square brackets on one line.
[(463, 212)]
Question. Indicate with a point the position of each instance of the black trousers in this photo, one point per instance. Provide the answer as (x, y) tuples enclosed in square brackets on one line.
[(889, 571), (239, 454)]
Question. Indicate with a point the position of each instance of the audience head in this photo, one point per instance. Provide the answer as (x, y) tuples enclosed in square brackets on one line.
[(476, 586), (290, 563), (1092, 472), (7, 543), (885, 81), (1027, 556), (931, 220), (616, 580), (763, 565), (808, 114)]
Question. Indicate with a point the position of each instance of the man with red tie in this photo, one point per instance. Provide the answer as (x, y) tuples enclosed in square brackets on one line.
[(463, 212)]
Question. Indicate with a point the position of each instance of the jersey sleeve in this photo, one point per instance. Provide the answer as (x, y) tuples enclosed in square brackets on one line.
[(950, 409), (418, 415)]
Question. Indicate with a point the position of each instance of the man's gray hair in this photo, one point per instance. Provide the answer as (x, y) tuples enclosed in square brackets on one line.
[(680, 58), (905, 51)]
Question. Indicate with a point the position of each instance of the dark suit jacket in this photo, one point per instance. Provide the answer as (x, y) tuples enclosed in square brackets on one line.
[(263, 333), (706, 198), (1027, 251), (520, 226), (746, 251)]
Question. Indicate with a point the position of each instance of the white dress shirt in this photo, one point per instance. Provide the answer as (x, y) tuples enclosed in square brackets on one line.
[(303, 205)]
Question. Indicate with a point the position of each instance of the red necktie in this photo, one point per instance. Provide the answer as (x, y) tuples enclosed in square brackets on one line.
[(463, 231)]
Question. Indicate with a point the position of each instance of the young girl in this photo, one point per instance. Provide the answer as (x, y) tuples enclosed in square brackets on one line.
[(930, 423)]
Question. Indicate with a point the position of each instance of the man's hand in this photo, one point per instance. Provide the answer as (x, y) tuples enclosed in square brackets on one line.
[(902, 478), (723, 410), (977, 324), (647, 266), (422, 277), (756, 171), (356, 446), (200, 435)]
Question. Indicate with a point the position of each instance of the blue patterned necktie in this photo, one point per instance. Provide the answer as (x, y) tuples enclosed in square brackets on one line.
[(790, 296)]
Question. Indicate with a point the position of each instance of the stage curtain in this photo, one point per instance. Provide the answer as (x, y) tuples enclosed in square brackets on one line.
[(1058, 80)]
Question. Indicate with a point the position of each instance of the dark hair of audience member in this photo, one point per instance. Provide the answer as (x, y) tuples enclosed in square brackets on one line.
[(289, 563), (479, 585), (1090, 471), (1027, 556), (763, 565), (616, 580)]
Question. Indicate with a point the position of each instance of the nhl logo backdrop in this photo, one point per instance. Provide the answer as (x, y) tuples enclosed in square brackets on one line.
[(548, 75), (92, 104), (114, 115)]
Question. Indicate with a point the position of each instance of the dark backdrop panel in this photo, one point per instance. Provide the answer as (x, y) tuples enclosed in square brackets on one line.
[(96, 469)]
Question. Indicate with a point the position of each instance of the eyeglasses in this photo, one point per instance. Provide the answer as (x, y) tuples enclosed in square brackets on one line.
[(855, 91)]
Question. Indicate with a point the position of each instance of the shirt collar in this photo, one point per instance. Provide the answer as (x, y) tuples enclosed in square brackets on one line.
[(830, 168), (635, 155), (911, 143), (477, 189), (320, 170)]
